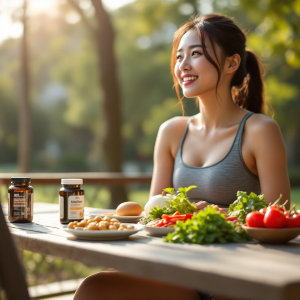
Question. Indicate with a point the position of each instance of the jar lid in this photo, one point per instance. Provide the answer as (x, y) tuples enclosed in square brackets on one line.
[(71, 181), (20, 179)]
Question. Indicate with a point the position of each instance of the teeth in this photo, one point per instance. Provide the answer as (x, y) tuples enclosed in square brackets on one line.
[(189, 78)]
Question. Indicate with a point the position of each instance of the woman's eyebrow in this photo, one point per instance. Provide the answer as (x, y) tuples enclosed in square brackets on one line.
[(191, 46)]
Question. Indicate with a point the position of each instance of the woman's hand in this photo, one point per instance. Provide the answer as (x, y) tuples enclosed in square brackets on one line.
[(200, 205)]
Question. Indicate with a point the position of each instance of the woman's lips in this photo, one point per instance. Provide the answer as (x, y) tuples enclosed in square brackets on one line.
[(188, 79)]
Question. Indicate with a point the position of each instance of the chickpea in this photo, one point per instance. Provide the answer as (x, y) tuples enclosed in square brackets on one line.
[(115, 220), (78, 228), (112, 227), (82, 223), (121, 228), (91, 227), (130, 227), (102, 226), (107, 219), (91, 220), (116, 224), (71, 225), (98, 219)]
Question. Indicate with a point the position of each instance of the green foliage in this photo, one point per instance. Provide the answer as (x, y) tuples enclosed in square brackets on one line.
[(63, 53), (245, 204), (208, 226)]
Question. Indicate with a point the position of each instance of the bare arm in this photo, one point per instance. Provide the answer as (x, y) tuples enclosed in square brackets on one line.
[(163, 161), (270, 155)]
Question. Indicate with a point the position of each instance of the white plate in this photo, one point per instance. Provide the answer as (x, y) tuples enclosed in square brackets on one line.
[(103, 213), (104, 235), (158, 231)]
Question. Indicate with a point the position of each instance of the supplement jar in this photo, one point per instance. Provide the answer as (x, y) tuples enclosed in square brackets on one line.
[(20, 200), (71, 201)]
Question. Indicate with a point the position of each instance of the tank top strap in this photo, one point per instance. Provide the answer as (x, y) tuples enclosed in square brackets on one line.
[(185, 132), (241, 127)]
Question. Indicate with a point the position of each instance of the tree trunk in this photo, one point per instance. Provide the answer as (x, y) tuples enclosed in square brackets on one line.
[(111, 102), (24, 140)]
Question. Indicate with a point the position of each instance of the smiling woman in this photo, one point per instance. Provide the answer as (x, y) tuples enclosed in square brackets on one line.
[(229, 146)]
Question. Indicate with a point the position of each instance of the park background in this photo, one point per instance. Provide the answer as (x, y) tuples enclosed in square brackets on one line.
[(57, 108)]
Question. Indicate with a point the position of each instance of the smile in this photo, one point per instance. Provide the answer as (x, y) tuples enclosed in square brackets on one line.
[(189, 79)]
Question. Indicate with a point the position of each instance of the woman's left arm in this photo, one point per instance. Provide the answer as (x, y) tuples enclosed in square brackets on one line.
[(269, 152)]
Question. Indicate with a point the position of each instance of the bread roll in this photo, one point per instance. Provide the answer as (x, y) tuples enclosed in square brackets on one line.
[(129, 209)]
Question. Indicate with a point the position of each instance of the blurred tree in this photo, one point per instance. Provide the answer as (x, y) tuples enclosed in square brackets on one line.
[(103, 37)]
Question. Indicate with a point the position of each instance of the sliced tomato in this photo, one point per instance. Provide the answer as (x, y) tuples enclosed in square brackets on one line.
[(231, 218)]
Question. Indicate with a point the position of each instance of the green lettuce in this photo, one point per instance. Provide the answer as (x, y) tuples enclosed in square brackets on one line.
[(245, 204), (208, 226)]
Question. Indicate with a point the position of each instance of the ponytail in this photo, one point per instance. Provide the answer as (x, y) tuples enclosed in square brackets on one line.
[(250, 94)]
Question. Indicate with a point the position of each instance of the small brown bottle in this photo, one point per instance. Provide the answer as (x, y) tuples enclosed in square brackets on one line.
[(20, 200), (71, 201)]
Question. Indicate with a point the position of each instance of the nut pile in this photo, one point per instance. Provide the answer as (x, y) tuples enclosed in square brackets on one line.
[(99, 223)]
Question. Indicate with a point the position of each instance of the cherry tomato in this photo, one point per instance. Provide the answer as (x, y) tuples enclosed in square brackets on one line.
[(287, 212), (263, 210), (274, 218), (255, 219), (293, 221), (275, 207)]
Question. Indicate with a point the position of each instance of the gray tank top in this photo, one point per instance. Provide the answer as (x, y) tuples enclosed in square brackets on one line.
[(218, 183)]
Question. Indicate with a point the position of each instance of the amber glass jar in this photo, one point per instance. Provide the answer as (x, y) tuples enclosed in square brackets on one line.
[(20, 200), (71, 201)]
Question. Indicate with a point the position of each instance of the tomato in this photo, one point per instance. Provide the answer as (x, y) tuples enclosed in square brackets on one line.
[(275, 207), (255, 219), (231, 219), (293, 221), (263, 210), (274, 218), (287, 212)]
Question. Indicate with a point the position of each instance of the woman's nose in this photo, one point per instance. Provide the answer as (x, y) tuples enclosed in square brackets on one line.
[(184, 65)]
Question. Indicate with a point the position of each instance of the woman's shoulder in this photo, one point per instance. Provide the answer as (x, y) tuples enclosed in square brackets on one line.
[(261, 124), (262, 130), (170, 133), (174, 124)]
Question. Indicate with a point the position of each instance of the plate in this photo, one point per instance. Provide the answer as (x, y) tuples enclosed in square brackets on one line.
[(103, 213), (158, 231), (104, 235), (272, 235)]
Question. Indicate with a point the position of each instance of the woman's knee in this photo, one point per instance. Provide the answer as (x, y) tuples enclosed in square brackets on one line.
[(91, 285)]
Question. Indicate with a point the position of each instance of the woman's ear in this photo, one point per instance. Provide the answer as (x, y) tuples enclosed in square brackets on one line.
[(232, 63)]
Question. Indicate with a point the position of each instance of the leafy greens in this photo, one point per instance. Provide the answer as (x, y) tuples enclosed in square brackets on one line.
[(208, 226), (245, 204), (178, 202)]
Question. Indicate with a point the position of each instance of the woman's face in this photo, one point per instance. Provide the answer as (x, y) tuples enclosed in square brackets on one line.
[(195, 74)]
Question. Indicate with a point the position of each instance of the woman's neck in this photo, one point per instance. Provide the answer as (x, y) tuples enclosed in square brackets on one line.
[(217, 110)]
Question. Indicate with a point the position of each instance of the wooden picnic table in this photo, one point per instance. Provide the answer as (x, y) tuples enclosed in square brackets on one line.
[(243, 271)]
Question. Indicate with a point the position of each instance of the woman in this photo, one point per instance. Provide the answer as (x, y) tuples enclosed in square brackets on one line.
[(229, 146)]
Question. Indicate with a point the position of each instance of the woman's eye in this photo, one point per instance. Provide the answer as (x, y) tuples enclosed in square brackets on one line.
[(196, 52), (179, 57)]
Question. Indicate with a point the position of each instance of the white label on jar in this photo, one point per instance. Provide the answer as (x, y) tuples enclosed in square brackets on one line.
[(61, 207), (76, 207)]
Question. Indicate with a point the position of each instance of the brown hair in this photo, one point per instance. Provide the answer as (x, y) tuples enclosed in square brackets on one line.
[(247, 82)]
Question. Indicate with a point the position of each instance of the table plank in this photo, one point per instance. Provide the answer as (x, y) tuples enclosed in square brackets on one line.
[(246, 271)]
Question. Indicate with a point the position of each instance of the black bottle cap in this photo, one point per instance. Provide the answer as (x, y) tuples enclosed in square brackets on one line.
[(20, 180)]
